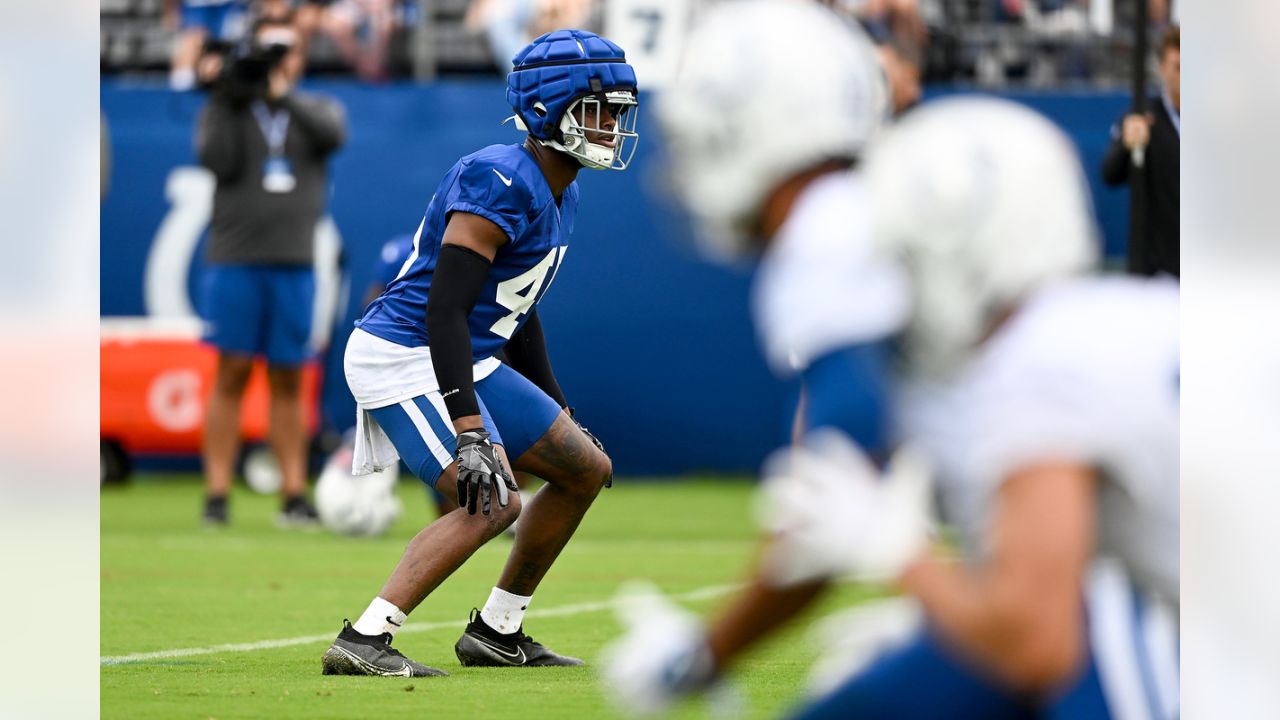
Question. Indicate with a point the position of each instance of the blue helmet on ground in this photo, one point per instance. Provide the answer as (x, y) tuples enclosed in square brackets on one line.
[(574, 91)]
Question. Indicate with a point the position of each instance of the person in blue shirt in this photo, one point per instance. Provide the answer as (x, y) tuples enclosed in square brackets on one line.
[(422, 362), (197, 22)]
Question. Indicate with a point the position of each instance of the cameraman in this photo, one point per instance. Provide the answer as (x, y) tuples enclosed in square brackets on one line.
[(268, 147)]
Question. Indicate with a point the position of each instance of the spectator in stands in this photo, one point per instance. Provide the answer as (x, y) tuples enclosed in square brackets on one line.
[(1164, 12), (1054, 18), (305, 14), (552, 15), (509, 25), (1155, 140), (268, 148), (505, 25), (901, 37), (343, 20), (197, 22)]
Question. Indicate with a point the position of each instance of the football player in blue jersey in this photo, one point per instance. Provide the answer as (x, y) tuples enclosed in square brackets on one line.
[(429, 389)]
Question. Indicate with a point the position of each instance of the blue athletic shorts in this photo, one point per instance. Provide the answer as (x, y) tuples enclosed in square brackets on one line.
[(923, 679), (223, 21), (515, 412), (260, 310), (919, 680)]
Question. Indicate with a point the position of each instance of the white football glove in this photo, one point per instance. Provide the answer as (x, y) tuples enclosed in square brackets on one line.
[(832, 514), (661, 656)]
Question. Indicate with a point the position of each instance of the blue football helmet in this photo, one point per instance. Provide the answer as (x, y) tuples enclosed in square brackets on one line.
[(573, 91)]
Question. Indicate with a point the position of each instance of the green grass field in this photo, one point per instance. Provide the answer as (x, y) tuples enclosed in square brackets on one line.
[(170, 584)]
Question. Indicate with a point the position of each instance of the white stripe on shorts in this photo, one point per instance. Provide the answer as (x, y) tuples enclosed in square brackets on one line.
[(437, 402), (1113, 635), (1160, 637), (434, 444)]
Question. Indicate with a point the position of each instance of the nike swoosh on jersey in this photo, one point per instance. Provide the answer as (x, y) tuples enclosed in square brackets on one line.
[(505, 180), (519, 653)]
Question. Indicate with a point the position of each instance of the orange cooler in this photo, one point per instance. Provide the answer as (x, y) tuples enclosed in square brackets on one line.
[(156, 376)]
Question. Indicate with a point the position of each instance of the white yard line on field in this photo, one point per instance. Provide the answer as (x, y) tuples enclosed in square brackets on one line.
[(703, 593)]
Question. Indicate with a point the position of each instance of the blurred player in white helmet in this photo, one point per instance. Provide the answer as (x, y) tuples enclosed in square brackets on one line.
[(1046, 400), (1046, 403), (770, 112)]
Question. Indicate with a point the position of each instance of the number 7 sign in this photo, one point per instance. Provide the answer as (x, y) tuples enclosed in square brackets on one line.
[(652, 33)]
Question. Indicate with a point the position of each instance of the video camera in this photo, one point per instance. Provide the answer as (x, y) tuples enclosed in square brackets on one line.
[(246, 67)]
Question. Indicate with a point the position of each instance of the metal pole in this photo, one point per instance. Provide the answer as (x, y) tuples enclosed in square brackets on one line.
[(1137, 169), (424, 50)]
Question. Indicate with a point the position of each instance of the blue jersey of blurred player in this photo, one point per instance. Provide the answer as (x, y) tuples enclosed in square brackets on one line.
[(1043, 401), (423, 366)]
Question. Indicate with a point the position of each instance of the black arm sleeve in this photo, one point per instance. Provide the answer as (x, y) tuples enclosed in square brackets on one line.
[(459, 276), (527, 355)]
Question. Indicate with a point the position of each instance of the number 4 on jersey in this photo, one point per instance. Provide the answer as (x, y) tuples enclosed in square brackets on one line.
[(520, 292)]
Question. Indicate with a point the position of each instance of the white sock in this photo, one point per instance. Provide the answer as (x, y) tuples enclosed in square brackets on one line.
[(504, 612), (380, 617), (182, 79)]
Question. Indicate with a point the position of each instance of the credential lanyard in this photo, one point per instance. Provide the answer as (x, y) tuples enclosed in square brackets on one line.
[(275, 126)]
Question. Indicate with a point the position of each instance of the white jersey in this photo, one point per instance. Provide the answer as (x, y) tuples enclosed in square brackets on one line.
[(822, 286), (1086, 371)]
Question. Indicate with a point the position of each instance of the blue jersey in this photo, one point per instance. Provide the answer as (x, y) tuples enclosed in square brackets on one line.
[(503, 184)]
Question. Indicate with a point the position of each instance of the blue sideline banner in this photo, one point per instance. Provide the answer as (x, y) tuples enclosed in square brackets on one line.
[(652, 344)]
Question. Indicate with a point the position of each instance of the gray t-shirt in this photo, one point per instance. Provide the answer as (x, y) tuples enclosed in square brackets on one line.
[(252, 225)]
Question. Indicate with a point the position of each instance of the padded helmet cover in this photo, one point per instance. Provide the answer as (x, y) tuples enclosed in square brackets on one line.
[(559, 67)]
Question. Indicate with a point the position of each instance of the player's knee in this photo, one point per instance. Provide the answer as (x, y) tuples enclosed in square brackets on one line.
[(285, 382), (233, 374), (500, 518), (603, 472), (591, 473)]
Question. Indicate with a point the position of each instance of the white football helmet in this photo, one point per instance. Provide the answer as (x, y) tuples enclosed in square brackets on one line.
[(262, 471), (349, 504), (765, 89), (983, 200)]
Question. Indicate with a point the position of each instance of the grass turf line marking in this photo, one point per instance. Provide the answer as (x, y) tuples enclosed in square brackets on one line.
[(703, 593)]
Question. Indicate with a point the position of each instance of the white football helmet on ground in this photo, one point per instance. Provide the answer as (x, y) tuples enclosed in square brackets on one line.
[(983, 200), (765, 90), (363, 505)]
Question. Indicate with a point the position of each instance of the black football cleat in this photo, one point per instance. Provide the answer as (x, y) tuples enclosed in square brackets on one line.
[(482, 646), (215, 511), (355, 654), (297, 512)]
